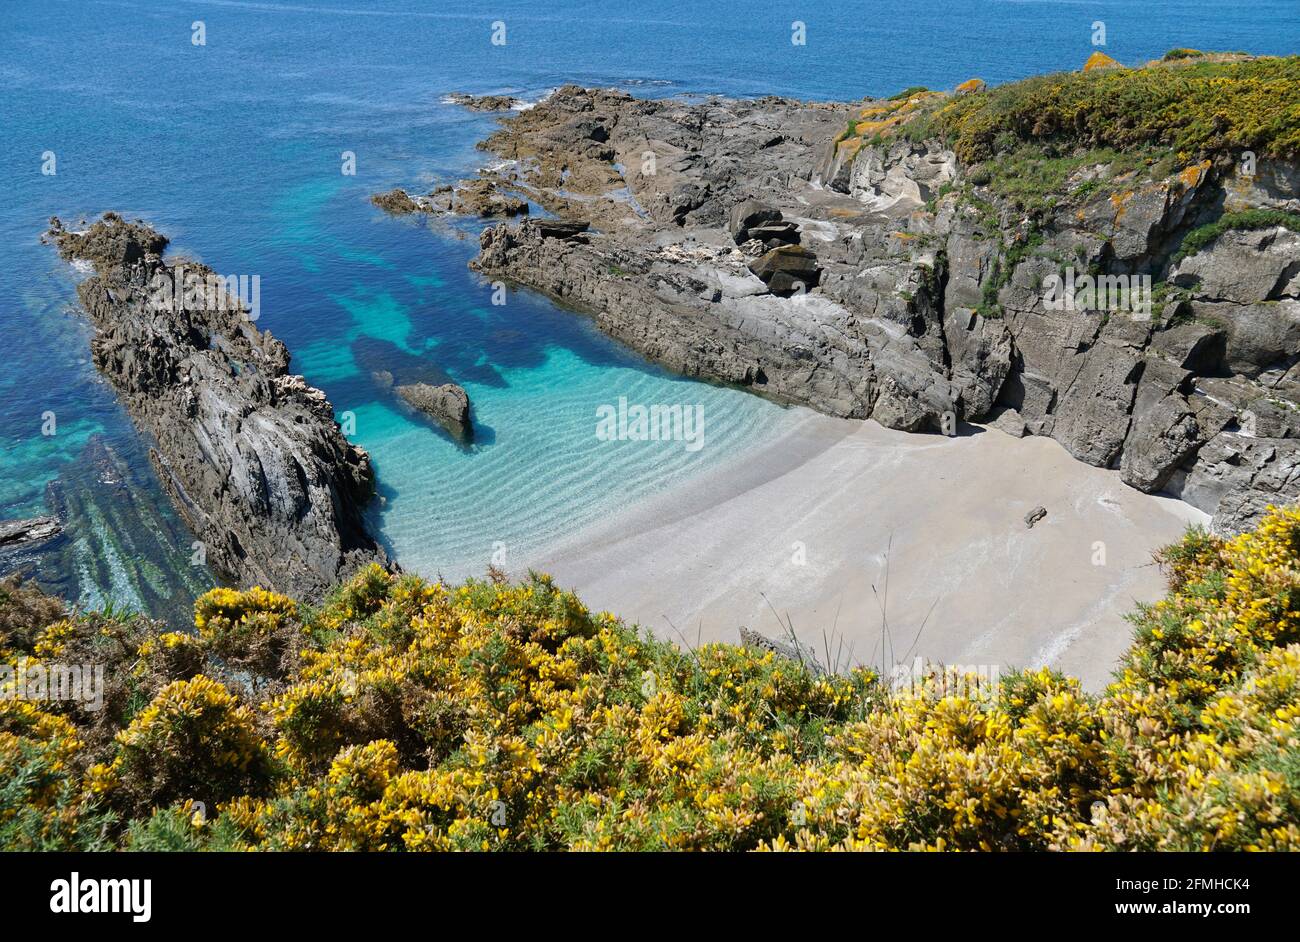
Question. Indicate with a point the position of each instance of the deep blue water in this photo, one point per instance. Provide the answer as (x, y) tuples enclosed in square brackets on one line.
[(233, 150)]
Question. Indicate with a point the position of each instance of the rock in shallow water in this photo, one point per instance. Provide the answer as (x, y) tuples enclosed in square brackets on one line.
[(448, 405)]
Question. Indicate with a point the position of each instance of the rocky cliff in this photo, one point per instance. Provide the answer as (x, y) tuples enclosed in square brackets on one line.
[(249, 454), (1130, 288)]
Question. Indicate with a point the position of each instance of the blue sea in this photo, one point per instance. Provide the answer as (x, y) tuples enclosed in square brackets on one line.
[(235, 149)]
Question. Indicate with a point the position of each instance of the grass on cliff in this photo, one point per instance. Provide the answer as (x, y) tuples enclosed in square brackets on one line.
[(1251, 219), (406, 715)]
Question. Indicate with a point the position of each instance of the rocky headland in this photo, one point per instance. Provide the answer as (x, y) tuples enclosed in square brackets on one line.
[(894, 258), (249, 454)]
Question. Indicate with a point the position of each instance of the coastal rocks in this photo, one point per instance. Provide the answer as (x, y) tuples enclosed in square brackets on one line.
[(901, 176), (1236, 477), (752, 220), (416, 381), (484, 102), (249, 455), (477, 197), (787, 269), (1164, 432), (482, 197), (570, 230), (688, 315), (17, 535), (1244, 267), (761, 243), (398, 202), (448, 405)]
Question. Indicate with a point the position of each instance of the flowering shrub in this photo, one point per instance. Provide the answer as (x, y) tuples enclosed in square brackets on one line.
[(408, 715)]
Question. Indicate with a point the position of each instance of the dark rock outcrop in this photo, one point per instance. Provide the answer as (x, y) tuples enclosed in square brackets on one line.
[(484, 102), (249, 454), (448, 405)]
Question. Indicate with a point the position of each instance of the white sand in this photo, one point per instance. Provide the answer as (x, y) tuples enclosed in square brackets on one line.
[(948, 514)]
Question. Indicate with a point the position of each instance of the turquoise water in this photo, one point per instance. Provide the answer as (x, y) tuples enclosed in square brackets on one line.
[(234, 150)]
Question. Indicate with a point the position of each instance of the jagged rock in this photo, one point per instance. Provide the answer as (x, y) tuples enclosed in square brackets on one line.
[(1244, 267), (787, 269), (1269, 418), (250, 456), (980, 351), (900, 176), (29, 533), (1236, 478), (747, 215), (1196, 347), (1164, 429), (1009, 421), (482, 197), (1092, 421), (793, 650), (1031, 518), (771, 235), (448, 405), (561, 229), (397, 201), (1256, 336), (484, 102)]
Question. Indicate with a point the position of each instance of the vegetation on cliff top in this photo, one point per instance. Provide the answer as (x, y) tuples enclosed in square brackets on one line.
[(417, 716), (1194, 106)]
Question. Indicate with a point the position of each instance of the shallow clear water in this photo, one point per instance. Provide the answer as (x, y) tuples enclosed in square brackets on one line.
[(233, 149)]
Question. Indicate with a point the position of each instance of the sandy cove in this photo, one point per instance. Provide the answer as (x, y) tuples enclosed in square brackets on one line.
[(805, 525)]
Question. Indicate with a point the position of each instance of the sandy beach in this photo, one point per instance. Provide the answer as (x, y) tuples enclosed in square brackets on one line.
[(810, 528)]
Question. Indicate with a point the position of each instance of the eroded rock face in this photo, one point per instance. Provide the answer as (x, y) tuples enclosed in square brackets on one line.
[(249, 454), (924, 294)]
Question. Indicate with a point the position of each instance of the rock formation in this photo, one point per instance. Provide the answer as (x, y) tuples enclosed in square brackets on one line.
[(477, 197), (760, 243), (448, 405), (249, 454), (484, 102)]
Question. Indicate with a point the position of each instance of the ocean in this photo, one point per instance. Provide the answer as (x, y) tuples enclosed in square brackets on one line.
[(236, 149)]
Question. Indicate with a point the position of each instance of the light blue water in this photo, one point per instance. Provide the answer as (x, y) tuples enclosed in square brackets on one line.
[(233, 149)]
